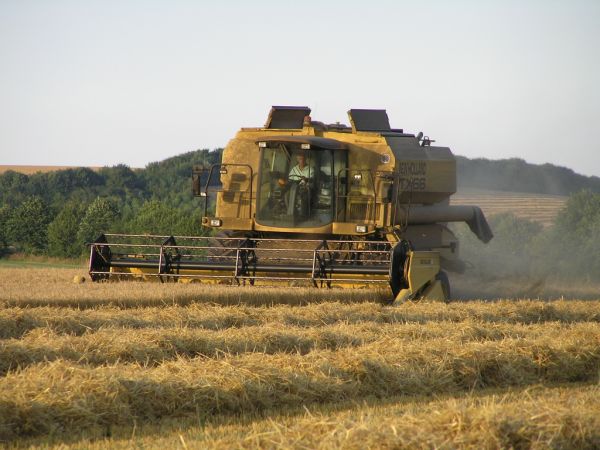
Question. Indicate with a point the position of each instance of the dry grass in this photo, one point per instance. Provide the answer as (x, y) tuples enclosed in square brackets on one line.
[(52, 287), (181, 365), (153, 347), (55, 288), (62, 395), (536, 417), (16, 322), (539, 420)]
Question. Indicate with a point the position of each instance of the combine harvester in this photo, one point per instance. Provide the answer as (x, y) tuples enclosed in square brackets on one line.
[(304, 203)]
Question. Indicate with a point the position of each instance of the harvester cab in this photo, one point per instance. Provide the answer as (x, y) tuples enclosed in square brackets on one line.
[(298, 201)]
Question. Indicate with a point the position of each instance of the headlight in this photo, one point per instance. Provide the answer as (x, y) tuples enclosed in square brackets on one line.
[(216, 222), (361, 228)]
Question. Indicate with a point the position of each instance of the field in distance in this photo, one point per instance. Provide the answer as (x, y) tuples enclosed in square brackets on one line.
[(29, 170), (536, 207), (129, 364)]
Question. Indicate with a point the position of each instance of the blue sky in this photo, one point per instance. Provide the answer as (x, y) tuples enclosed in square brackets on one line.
[(108, 82)]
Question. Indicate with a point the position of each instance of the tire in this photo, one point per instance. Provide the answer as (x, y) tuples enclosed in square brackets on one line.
[(443, 278), (399, 267)]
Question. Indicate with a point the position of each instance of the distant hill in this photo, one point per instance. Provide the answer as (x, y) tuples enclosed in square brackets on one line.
[(529, 191), (517, 175), (170, 181)]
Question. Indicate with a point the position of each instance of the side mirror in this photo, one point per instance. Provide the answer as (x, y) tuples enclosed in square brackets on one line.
[(197, 172), (196, 184)]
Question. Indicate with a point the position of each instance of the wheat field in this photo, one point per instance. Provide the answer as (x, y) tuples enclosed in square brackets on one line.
[(539, 208), (134, 365)]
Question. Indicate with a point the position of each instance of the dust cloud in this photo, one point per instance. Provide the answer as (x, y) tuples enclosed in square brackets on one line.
[(525, 261)]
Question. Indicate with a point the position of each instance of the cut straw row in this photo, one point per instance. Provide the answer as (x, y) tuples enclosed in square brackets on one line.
[(15, 322), (57, 396), (536, 419), (152, 347), (136, 294)]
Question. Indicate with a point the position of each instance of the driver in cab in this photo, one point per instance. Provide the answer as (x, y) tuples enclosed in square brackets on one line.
[(301, 172)]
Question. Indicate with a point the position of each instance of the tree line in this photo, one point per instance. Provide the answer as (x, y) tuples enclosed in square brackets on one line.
[(56, 213), (517, 175)]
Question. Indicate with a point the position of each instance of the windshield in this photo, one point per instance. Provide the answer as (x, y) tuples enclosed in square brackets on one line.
[(296, 186)]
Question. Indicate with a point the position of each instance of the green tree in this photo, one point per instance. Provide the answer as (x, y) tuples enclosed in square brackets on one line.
[(581, 214), (100, 217), (63, 230), (27, 226), (5, 213), (13, 185), (121, 181), (155, 217), (572, 248), (190, 225)]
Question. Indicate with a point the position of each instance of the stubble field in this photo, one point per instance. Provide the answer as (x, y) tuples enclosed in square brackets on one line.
[(165, 366)]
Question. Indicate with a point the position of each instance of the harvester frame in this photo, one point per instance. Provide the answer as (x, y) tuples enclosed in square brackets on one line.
[(307, 203)]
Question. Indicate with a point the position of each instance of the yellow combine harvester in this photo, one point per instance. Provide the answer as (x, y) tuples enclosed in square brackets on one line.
[(305, 203)]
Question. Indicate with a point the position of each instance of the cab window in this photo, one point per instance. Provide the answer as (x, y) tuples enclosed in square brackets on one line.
[(296, 187)]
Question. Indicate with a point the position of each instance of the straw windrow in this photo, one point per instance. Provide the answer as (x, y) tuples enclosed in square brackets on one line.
[(154, 346), (17, 321), (78, 361), (63, 395)]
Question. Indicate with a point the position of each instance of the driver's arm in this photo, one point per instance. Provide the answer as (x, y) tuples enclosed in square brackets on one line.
[(295, 174)]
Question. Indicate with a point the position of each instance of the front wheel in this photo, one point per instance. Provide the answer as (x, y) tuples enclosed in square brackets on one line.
[(399, 268), (442, 277)]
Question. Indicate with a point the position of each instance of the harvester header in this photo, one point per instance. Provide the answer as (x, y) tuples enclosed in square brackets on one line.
[(306, 202)]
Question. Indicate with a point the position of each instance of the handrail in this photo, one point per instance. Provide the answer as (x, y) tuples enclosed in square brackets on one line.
[(316, 241)]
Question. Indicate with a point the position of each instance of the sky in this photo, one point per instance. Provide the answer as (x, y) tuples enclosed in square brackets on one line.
[(105, 82)]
